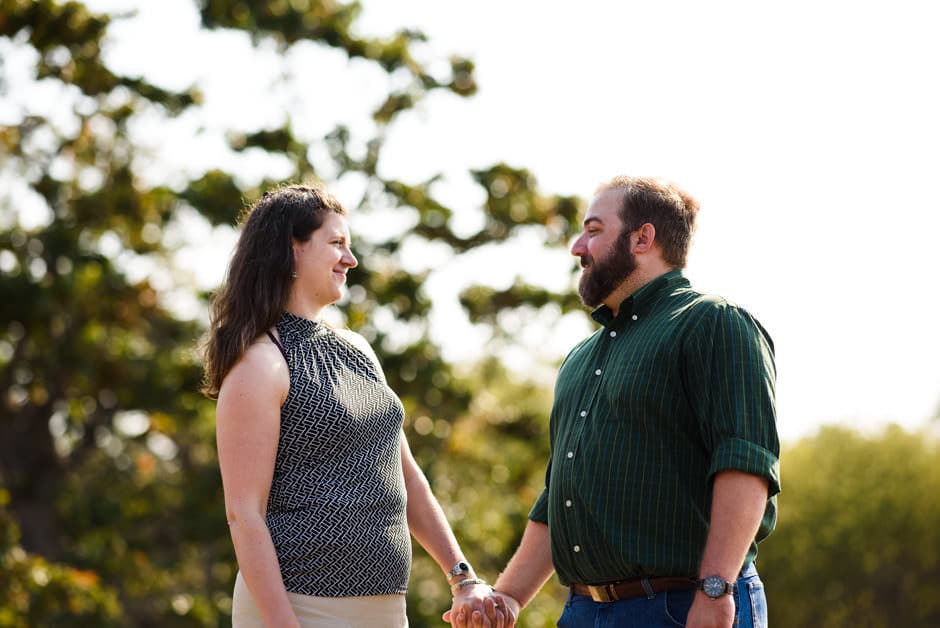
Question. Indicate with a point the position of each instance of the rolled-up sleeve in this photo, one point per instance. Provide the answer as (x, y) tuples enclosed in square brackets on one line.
[(741, 455), (731, 381), (539, 511)]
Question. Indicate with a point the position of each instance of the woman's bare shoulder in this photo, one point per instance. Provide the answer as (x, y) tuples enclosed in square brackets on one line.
[(262, 365)]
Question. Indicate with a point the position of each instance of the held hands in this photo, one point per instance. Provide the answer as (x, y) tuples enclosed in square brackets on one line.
[(479, 606), (709, 613)]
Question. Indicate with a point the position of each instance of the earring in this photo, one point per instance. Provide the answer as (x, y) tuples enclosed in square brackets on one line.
[(293, 275)]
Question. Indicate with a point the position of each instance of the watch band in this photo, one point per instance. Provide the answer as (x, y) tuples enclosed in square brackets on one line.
[(714, 586)]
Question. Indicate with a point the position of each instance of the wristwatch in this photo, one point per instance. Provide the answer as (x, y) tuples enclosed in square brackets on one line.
[(462, 568), (715, 586)]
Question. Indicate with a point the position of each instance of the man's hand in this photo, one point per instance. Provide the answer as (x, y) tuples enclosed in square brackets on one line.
[(480, 607), (511, 606), (709, 613)]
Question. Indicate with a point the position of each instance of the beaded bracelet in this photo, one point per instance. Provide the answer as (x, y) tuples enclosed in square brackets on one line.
[(466, 582)]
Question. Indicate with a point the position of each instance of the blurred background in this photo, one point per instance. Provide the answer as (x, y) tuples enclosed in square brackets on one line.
[(465, 139)]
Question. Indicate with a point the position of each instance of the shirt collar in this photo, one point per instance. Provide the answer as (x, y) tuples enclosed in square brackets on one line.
[(641, 301)]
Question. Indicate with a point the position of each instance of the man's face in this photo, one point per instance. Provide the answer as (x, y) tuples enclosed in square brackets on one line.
[(604, 249)]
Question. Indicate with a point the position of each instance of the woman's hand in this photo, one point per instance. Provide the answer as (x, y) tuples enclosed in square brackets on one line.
[(478, 606)]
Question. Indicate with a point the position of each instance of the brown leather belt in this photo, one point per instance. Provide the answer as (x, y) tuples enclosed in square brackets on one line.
[(627, 589)]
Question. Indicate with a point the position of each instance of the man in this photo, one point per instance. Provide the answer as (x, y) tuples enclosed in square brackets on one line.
[(664, 450)]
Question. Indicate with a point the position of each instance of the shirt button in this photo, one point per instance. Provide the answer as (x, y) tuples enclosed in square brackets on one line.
[(597, 372), (577, 548), (634, 317), (613, 334), (568, 503), (584, 413), (571, 454)]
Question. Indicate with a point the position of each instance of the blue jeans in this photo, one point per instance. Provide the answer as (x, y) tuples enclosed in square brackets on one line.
[(665, 610)]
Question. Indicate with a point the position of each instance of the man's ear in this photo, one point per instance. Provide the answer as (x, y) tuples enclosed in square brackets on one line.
[(643, 238)]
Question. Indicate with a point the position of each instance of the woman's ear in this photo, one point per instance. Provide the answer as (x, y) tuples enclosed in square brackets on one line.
[(644, 238), (295, 255)]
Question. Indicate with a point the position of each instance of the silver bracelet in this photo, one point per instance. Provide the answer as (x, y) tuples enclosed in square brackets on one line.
[(466, 582)]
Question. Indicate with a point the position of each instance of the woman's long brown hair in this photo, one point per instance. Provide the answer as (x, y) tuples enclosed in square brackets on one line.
[(254, 293)]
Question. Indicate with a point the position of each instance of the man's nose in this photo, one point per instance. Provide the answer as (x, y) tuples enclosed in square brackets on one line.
[(578, 247)]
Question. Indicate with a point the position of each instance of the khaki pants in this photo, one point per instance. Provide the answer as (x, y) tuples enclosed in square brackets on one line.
[(378, 611)]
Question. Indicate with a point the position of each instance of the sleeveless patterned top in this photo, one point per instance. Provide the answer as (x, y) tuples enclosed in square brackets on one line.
[(336, 510)]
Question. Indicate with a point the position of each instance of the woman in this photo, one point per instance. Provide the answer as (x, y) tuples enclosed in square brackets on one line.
[(321, 489)]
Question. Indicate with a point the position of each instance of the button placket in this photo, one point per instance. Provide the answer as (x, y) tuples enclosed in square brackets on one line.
[(571, 515)]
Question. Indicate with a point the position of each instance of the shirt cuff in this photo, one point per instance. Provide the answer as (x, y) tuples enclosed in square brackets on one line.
[(539, 512), (735, 454)]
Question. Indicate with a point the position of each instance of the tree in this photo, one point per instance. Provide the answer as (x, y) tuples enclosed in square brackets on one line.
[(107, 459), (857, 542)]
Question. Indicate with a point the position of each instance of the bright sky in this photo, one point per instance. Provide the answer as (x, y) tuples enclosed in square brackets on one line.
[(808, 130)]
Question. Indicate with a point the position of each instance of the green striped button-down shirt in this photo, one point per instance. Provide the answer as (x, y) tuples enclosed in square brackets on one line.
[(676, 388)]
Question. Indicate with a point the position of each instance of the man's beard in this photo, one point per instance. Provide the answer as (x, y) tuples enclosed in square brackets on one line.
[(600, 277)]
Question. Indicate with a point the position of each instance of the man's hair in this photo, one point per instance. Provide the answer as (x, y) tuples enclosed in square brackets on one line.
[(664, 205)]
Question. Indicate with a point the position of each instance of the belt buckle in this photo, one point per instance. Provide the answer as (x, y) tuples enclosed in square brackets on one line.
[(603, 593)]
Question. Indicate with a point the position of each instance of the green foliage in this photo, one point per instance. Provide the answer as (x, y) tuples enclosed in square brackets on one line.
[(35, 592), (113, 510), (483, 303), (330, 23), (513, 198), (216, 195), (487, 469), (857, 542), (68, 38)]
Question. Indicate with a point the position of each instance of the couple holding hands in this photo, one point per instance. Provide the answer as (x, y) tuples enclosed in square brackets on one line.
[(664, 458)]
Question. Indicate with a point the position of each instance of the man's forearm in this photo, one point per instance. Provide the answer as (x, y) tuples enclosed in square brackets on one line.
[(738, 503), (530, 566)]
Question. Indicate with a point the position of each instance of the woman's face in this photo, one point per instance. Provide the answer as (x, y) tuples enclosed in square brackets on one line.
[(322, 261)]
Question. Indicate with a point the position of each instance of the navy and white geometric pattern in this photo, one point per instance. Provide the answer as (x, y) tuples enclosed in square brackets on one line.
[(336, 510)]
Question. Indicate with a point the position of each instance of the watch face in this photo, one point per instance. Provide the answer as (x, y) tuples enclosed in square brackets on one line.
[(459, 568), (713, 586)]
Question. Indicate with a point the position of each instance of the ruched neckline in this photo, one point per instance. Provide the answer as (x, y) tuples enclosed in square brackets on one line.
[(298, 326)]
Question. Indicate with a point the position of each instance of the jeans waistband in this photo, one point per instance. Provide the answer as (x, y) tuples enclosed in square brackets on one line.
[(748, 571)]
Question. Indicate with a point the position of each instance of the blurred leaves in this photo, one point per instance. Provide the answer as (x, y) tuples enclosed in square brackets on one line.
[(216, 195), (68, 38), (111, 509), (35, 592), (513, 199), (857, 542), (108, 472), (487, 467), (484, 304), (330, 23)]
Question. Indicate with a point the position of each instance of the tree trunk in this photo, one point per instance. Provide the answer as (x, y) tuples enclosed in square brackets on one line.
[(29, 469)]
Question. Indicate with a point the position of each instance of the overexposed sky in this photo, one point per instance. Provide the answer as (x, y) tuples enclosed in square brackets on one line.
[(808, 130)]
